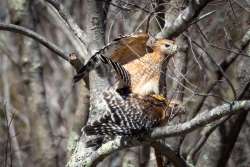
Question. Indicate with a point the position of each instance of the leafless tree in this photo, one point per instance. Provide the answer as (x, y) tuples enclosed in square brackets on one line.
[(42, 111)]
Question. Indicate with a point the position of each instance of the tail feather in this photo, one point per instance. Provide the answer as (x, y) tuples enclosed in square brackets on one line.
[(95, 61), (122, 119), (95, 143), (110, 128), (78, 77)]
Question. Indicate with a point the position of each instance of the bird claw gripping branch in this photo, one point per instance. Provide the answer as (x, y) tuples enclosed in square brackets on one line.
[(137, 109), (130, 115)]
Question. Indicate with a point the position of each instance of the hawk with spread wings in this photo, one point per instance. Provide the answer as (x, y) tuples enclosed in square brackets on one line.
[(139, 71), (141, 109)]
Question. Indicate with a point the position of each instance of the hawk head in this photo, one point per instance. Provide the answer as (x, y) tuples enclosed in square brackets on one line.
[(165, 46)]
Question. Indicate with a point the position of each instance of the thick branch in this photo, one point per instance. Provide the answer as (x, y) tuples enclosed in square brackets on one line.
[(118, 144), (42, 40), (162, 132), (184, 20), (201, 119), (172, 156)]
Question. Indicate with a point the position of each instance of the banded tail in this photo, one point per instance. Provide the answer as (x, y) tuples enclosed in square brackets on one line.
[(95, 61), (124, 118), (130, 115)]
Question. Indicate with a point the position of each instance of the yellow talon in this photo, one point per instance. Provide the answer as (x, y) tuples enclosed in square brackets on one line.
[(171, 103), (161, 98)]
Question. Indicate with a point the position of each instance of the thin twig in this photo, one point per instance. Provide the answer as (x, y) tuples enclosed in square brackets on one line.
[(202, 17), (231, 6), (12, 139), (240, 5), (192, 51), (136, 6), (224, 65), (55, 19), (219, 69), (229, 50)]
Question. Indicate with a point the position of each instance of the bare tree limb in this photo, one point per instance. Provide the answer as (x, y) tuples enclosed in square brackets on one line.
[(184, 20), (201, 119), (55, 19), (78, 32), (180, 68), (35, 36), (236, 126), (205, 134), (161, 132), (118, 144), (172, 156), (239, 120), (224, 66), (42, 40)]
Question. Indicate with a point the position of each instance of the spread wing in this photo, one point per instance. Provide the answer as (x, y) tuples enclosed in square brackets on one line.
[(129, 48), (121, 51)]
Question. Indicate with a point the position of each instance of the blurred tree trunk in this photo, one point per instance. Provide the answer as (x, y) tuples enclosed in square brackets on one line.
[(10, 122), (41, 135)]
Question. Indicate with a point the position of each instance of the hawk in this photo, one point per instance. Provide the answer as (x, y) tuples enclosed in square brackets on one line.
[(139, 71)]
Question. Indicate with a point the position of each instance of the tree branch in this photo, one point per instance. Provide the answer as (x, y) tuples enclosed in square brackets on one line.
[(42, 40), (204, 136), (78, 32), (224, 65), (234, 129), (184, 20), (172, 156), (48, 11), (201, 119), (161, 132)]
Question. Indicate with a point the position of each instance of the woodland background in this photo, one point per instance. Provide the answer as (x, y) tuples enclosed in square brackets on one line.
[(42, 111)]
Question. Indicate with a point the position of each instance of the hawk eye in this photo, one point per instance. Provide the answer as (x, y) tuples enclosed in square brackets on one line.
[(167, 45)]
